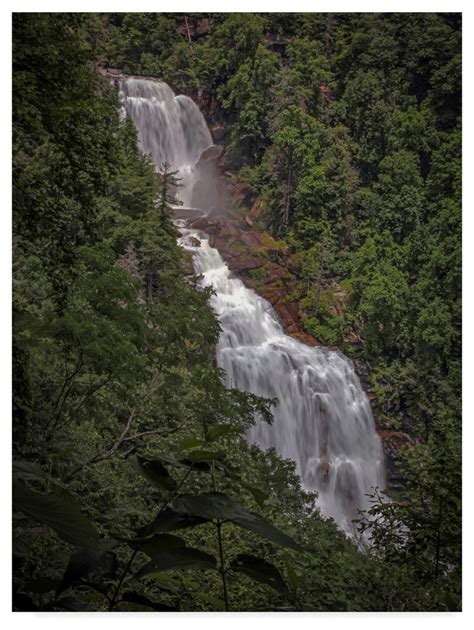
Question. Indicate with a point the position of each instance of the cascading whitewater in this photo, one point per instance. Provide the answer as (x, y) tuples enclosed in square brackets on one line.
[(170, 128), (323, 419)]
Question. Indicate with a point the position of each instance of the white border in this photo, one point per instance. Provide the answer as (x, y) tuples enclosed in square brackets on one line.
[(235, 620)]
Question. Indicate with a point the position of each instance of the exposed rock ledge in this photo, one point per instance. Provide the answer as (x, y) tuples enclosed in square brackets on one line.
[(246, 252), (253, 260)]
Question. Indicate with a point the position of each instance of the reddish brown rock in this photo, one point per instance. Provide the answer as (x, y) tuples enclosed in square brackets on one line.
[(394, 441), (108, 71), (304, 337), (249, 254), (352, 337), (326, 92), (202, 27), (204, 224), (241, 263), (288, 315), (214, 152)]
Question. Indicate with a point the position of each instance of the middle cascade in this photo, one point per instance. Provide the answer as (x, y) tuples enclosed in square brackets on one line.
[(323, 419)]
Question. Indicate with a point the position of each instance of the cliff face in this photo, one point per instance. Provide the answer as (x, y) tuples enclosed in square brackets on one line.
[(262, 263), (253, 254)]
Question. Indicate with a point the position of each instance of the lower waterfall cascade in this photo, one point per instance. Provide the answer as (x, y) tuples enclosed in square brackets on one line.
[(323, 420)]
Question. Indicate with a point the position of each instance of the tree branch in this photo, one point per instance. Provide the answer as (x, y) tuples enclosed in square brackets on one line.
[(123, 437)]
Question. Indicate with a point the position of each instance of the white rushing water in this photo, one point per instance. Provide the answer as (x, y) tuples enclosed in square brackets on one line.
[(323, 419), (170, 128)]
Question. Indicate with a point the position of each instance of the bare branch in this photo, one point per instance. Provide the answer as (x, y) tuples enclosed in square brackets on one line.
[(123, 437)]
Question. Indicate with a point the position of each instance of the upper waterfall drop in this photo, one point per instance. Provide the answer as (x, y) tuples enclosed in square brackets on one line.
[(323, 419), (170, 128)]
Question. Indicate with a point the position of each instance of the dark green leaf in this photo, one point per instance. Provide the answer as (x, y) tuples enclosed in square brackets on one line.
[(214, 433), (229, 471), (214, 601), (28, 470), (259, 495), (169, 520), (161, 580), (20, 547), (261, 571), (183, 463), (215, 505), (204, 456), (190, 443), (181, 557), (63, 517), (89, 565), (159, 541), (172, 461), (198, 466), (154, 471), (63, 493), (293, 578), (41, 585)]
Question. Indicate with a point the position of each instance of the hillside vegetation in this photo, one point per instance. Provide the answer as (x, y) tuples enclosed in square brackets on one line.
[(134, 488)]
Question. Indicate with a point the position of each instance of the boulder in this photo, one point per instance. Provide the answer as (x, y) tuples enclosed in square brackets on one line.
[(213, 152), (241, 263), (204, 224)]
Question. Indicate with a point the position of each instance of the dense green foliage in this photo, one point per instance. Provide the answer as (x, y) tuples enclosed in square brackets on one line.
[(348, 128)]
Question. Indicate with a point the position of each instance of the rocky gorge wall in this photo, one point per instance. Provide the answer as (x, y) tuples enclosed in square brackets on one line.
[(263, 265), (261, 262)]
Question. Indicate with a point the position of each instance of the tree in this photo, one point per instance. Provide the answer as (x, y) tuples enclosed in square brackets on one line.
[(306, 59), (419, 533), (247, 95)]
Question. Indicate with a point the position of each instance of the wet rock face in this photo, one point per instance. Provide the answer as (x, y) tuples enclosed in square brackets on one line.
[(217, 132), (245, 253), (392, 443), (211, 191), (214, 152)]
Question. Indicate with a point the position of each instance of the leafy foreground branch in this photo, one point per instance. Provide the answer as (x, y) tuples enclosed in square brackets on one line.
[(94, 564)]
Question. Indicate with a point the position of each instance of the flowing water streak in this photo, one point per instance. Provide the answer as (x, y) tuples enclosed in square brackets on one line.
[(323, 419), (170, 128)]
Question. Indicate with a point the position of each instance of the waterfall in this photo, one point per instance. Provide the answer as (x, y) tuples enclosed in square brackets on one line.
[(170, 128), (323, 419)]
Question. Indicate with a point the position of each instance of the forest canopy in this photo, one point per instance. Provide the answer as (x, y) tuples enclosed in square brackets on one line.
[(134, 486)]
